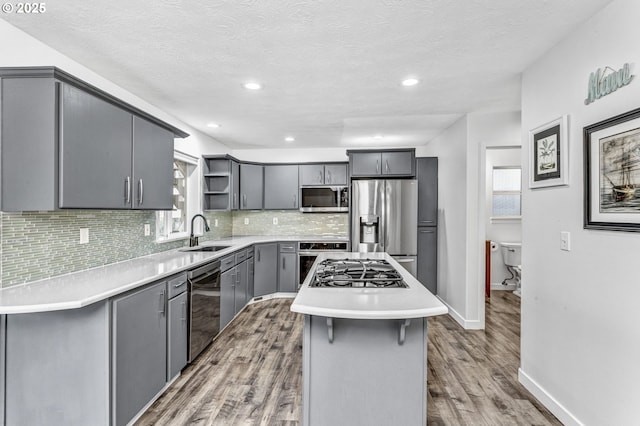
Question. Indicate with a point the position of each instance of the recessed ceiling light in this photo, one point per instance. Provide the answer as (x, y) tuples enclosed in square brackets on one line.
[(410, 81), (378, 137), (252, 85), (213, 125), (289, 139)]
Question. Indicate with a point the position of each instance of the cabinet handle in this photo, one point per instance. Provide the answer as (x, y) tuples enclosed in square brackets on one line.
[(140, 191), (295, 204), (328, 176), (426, 221), (237, 278), (179, 284), (162, 310), (258, 255), (320, 176), (127, 190), (283, 264), (386, 165), (244, 200), (184, 311), (235, 200), (426, 232), (377, 166)]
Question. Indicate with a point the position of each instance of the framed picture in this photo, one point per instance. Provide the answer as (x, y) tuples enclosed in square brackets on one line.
[(549, 154), (612, 173)]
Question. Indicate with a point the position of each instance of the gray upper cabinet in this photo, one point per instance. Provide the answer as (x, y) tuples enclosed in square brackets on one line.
[(281, 187), (235, 185), (427, 175), (323, 174), (152, 166), (95, 153), (139, 341), (221, 183), (391, 163), (88, 150), (251, 186)]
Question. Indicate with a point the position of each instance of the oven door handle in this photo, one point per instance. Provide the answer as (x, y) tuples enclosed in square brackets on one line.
[(203, 276)]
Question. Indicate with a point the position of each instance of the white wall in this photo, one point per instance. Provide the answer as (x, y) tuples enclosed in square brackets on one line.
[(500, 230), (20, 49), (292, 155), (580, 328)]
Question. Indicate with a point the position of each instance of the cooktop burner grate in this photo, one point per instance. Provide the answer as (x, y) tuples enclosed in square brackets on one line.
[(371, 273)]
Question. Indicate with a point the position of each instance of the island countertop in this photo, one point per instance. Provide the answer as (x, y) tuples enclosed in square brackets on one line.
[(415, 301)]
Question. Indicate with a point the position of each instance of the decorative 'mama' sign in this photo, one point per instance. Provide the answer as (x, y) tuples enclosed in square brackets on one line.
[(602, 82)]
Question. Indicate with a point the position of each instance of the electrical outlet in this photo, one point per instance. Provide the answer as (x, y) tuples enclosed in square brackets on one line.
[(275, 220), (147, 229), (215, 223), (565, 241), (84, 235), (246, 220)]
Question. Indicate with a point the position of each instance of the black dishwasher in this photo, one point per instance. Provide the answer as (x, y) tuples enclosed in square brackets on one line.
[(204, 300)]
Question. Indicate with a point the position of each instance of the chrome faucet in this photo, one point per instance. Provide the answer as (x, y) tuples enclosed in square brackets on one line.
[(193, 240)]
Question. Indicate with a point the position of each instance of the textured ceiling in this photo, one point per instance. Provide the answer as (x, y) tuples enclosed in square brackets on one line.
[(331, 69)]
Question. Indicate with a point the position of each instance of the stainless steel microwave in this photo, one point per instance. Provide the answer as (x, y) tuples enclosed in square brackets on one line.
[(324, 199)]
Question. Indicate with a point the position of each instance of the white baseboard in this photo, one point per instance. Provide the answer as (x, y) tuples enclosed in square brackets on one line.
[(499, 286), (547, 400), (465, 323)]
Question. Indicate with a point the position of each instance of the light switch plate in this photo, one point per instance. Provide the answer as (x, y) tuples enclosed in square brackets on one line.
[(215, 223), (246, 220), (565, 241), (84, 235), (147, 229), (275, 220)]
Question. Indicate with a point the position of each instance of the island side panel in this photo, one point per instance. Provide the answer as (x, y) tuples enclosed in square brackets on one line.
[(364, 376), (57, 367)]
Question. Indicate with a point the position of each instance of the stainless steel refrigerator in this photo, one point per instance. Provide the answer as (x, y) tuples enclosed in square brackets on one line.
[(384, 217)]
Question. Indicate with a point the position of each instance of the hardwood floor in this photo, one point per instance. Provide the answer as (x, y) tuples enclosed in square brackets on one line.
[(252, 373)]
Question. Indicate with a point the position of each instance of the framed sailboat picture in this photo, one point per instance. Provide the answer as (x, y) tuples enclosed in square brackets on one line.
[(612, 173), (549, 153)]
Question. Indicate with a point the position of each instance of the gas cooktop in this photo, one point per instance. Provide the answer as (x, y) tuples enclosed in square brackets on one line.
[(369, 273)]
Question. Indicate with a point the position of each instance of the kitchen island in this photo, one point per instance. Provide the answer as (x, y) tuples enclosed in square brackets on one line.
[(365, 350)]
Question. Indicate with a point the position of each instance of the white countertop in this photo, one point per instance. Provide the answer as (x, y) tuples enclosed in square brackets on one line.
[(83, 288), (367, 303)]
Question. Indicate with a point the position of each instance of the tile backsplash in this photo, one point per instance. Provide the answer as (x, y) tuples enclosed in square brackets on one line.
[(37, 245)]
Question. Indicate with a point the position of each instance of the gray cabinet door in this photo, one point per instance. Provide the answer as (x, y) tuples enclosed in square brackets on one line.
[(178, 335), (95, 153), (250, 279), (265, 278), (281, 187), (235, 186), (152, 166), (240, 297), (427, 175), (366, 164), (335, 174), (428, 258), (400, 163), (311, 174), (251, 186), (287, 277), (227, 296), (140, 349)]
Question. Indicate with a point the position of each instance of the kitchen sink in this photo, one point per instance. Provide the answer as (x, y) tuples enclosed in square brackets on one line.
[(205, 248)]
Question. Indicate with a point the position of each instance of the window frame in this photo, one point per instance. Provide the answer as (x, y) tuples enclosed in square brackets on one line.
[(193, 202), (505, 218)]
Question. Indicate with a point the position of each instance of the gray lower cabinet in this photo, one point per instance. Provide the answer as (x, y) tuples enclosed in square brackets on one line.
[(281, 187), (251, 186), (139, 339), (227, 296), (250, 278), (428, 258), (178, 335), (287, 264), (56, 367), (240, 293), (265, 269), (233, 286)]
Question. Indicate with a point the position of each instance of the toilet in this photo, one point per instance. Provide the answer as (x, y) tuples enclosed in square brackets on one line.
[(512, 257)]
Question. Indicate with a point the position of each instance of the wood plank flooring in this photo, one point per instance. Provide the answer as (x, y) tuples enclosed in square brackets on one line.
[(252, 373)]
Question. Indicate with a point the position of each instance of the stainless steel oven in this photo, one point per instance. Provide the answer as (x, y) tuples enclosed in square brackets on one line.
[(309, 250), (204, 302)]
